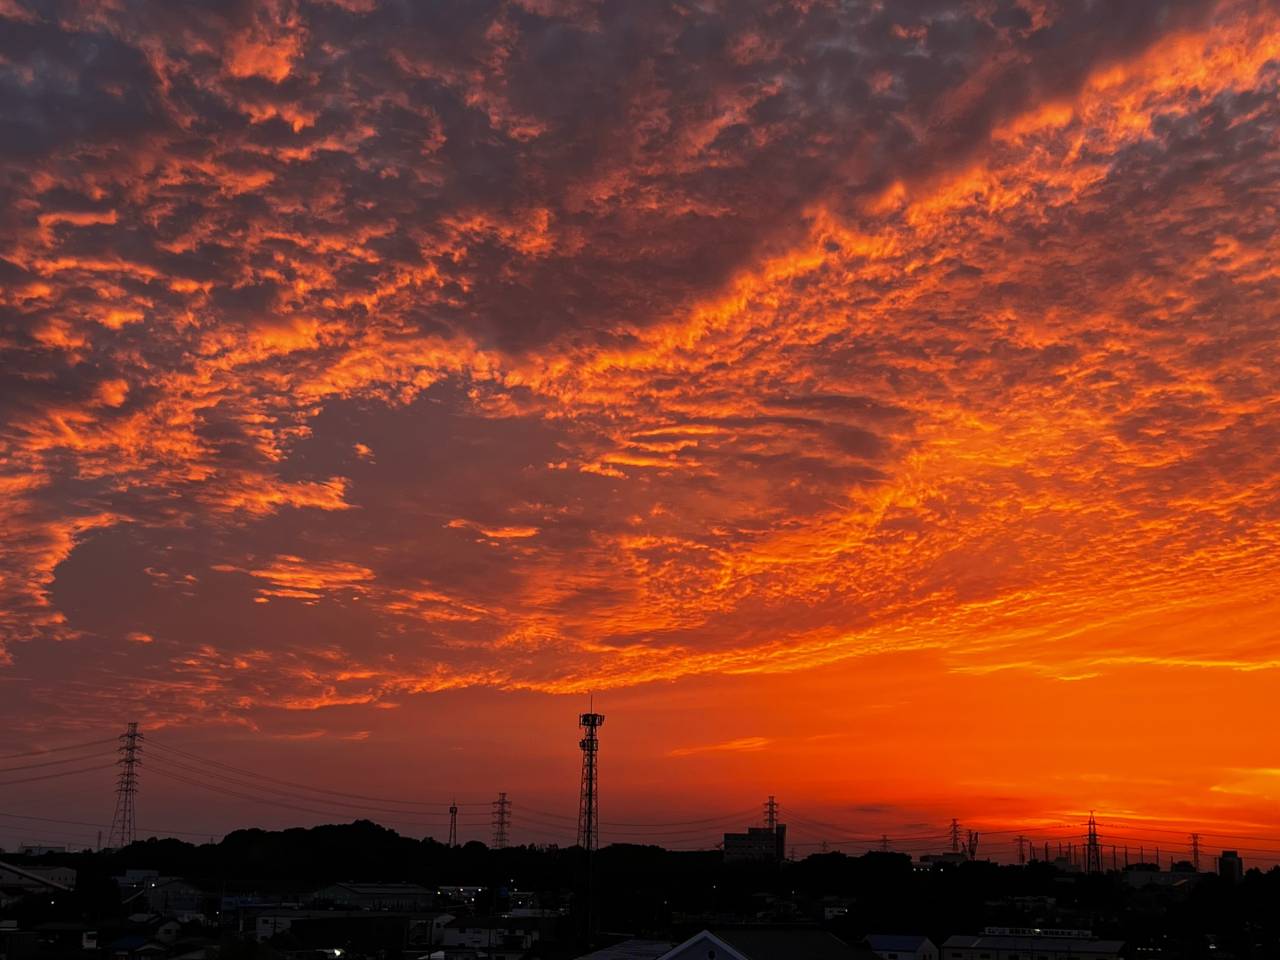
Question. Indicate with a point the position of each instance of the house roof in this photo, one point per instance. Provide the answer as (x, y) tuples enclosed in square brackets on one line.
[(381, 889), (893, 942), (34, 876), (130, 941), (631, 950), (1079, 947), (493, 923), (779, 943), (789, 943)]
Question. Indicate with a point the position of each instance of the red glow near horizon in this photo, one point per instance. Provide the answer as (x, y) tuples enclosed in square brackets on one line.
[(872, 407)]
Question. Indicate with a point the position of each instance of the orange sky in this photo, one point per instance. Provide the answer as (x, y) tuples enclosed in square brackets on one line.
[(872, 405)]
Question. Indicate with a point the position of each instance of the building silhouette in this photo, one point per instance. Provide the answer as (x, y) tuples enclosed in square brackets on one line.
[(761, 844), (1230, 866)]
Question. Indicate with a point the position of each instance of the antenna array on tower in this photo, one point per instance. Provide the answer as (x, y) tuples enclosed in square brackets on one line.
[(589, 801)]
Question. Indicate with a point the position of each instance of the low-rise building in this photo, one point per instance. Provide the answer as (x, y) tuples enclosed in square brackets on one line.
[(902, 947), (1149, 875), (461, 894), (421, 930), (40, 849), (376, 896), (187, 899), (767, 943), (37, 878), (1028, 947), (502, 938), (759, 844), (633, 949)]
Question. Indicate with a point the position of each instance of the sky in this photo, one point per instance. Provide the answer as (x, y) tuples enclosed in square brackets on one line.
[(871, 404)]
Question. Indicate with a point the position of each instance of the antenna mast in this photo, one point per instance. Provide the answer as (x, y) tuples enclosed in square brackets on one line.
[(589, 801)]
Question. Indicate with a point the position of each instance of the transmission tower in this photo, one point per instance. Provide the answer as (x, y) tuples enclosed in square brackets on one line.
[(1195, 852), (1093, 854), (771, 813), (124, 828), (501, 821), (453, 824), (955, 835), (589, 802), (1022, 849), (884, 842)]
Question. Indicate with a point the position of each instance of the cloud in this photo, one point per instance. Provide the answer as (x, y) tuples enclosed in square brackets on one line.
[(738, 745), (746, 342)]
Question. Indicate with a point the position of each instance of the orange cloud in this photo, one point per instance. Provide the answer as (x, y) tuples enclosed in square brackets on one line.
[(746, 371)]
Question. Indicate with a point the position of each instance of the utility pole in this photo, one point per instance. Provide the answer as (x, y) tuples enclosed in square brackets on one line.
[(453, 824), (955, 835), (124, 828), (1195, 852), (771, 813), (501, 821), (884, 842), (971, 848)]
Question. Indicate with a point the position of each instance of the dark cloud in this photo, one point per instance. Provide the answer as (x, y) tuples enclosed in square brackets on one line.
[(439, 345)]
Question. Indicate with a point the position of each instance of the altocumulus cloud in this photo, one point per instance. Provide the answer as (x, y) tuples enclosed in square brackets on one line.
[(688, 340)]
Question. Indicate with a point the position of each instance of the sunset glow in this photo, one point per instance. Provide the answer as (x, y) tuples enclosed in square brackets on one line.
[(872, 404)]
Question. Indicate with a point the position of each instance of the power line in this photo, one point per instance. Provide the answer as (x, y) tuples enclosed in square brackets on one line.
[(61, 773), (101, 826), (269, 801), (724, 818), (302, 786), (1136, 826), (793, 816), (50, 763), (662, 831), (69, 746), (249, 783)]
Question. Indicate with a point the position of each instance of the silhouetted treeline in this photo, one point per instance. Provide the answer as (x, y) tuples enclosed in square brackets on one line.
[(646, 890)]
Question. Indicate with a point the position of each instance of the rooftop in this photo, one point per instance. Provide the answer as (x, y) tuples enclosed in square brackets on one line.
[(631, 950), (788, 943), (896, 941), (381, 889), (1075, 945)]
